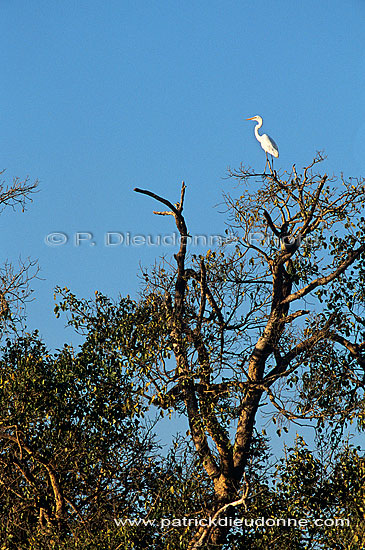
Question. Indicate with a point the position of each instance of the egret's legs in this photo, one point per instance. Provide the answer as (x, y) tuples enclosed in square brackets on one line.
[(271, 165)]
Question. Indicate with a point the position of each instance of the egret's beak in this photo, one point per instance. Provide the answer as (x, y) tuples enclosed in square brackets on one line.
[(250, 118)]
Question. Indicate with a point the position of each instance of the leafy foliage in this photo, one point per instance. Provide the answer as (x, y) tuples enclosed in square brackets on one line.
[(270, 324), (72, 446)]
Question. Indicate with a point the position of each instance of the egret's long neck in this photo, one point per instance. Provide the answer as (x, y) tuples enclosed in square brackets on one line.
[(258, 125)]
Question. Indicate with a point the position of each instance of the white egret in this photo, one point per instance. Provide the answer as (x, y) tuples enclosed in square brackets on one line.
[(266, 142)]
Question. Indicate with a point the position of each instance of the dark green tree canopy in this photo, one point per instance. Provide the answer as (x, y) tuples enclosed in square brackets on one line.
[(270, 323)]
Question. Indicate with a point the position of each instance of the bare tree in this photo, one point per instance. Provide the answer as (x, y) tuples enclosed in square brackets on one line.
[(252, 323), (15, 280)]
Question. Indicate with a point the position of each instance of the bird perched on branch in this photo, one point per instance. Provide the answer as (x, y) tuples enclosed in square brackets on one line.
[(266, 142)]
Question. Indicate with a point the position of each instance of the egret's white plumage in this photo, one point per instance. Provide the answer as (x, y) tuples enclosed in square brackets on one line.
[(266, 142)]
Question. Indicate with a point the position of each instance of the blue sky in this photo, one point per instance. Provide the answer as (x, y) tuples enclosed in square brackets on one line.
[(100, 97)]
